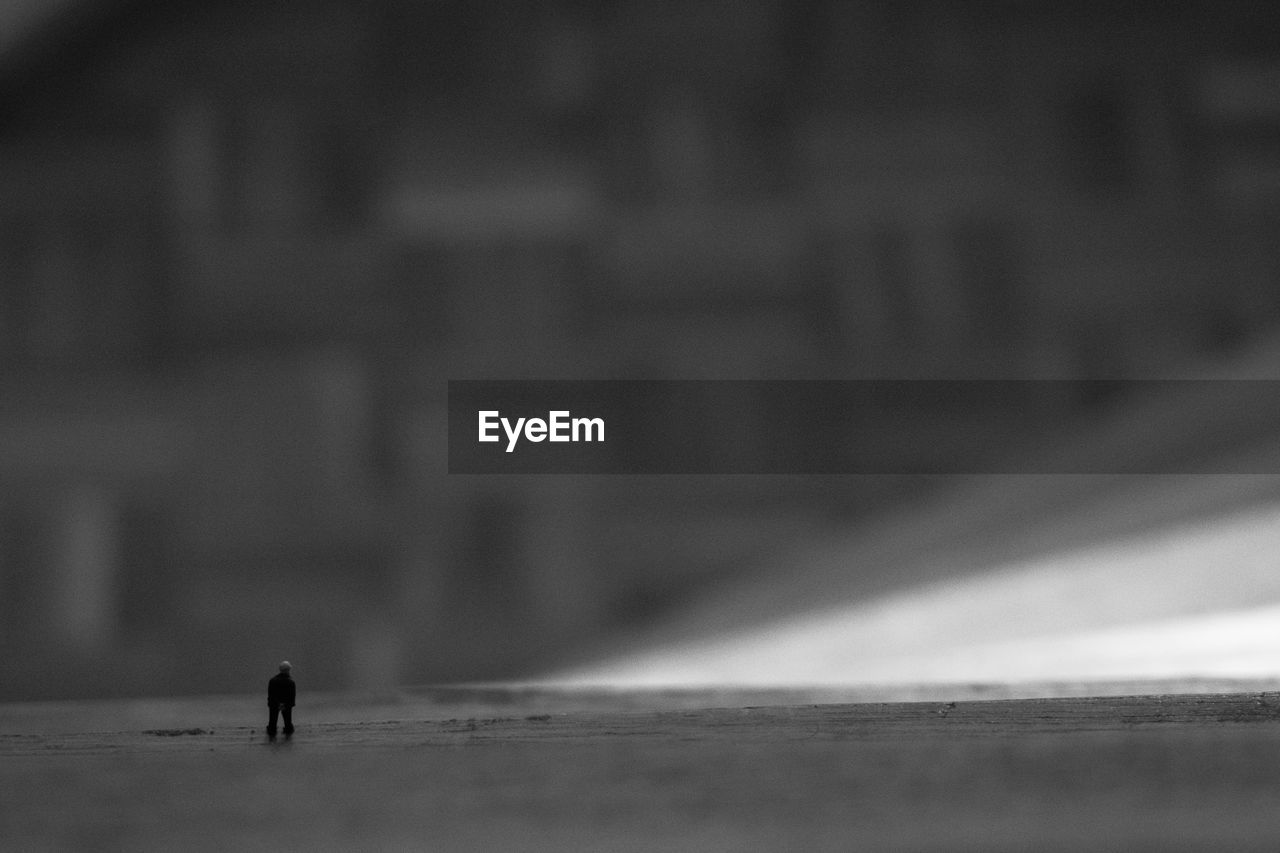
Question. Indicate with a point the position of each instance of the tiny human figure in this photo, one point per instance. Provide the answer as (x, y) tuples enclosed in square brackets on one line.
[(281, 692)]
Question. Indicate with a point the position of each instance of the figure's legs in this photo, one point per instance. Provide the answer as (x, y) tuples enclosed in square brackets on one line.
[(271, 723), (287, 711)]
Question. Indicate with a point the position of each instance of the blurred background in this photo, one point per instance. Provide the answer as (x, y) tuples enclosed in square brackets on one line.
[(243, 246)]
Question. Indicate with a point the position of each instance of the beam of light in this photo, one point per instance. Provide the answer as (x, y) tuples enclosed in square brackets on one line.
[(1190, 601)]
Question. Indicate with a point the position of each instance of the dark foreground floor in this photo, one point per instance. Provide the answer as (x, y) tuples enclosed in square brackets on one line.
[(1173, 772)]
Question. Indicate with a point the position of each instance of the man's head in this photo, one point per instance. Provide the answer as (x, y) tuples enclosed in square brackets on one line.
[(285, 666)]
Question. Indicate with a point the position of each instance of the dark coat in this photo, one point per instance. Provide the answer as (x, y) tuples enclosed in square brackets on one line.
[(281, 690)]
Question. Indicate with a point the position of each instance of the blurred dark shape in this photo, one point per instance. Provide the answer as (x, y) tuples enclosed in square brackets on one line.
[(243, 245)]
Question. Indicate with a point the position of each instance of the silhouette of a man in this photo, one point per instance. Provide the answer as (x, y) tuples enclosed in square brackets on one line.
[(281, 691)]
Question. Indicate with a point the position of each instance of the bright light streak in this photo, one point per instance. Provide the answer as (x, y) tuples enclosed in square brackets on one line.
[(1194, 601)]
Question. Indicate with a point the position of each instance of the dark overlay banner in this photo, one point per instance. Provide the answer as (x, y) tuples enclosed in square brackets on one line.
[(863, 426)]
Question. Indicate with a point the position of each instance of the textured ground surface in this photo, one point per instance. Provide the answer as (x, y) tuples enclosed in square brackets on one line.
[(529, 772)]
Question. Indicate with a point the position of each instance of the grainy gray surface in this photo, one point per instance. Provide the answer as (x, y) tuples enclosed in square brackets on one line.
[(1168, 772)]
